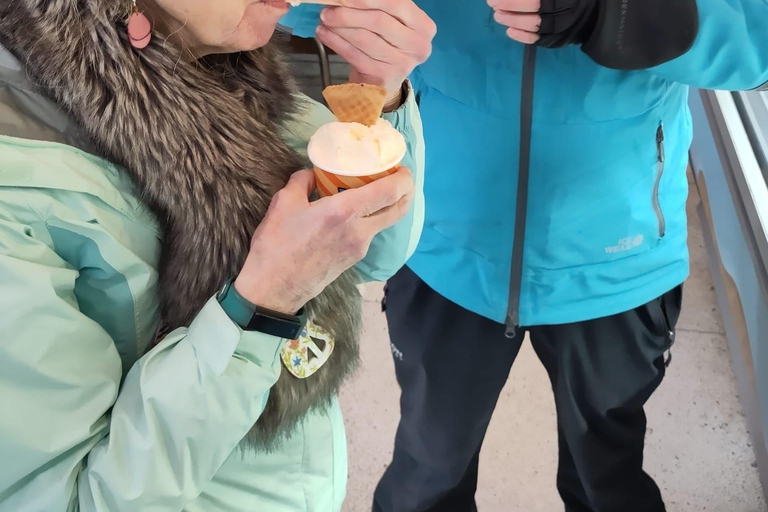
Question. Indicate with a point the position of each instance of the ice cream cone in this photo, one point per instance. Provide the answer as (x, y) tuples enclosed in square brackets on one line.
[(342, 166), (356, 103)]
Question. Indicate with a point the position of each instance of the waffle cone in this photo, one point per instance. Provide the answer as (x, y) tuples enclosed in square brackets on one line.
[(356, 103)]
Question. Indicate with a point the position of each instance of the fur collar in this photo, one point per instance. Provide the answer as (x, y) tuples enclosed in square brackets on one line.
[(200, 140)]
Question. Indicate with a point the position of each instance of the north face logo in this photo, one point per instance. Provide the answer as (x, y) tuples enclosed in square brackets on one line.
[(396, 352)]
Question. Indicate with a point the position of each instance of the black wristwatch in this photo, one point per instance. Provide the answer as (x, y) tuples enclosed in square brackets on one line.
[(251, 317)]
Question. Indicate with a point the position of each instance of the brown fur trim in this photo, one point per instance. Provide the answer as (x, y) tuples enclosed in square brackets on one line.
[(200, 140)]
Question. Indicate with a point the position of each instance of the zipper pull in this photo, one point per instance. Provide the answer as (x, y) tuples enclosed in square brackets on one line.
[(660, 143), (511, 327)]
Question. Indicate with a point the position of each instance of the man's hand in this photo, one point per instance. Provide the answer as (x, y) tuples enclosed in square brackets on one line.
[(382, 40), (626, 34), (549, 23)]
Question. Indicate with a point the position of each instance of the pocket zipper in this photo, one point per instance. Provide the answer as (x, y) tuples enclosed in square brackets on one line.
[(659, 174)]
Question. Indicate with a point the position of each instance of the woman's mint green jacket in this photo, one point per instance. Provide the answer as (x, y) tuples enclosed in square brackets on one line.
[(89, 421)]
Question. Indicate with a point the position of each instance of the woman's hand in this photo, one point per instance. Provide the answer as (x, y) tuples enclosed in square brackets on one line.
[(382, 40), (301, 247)]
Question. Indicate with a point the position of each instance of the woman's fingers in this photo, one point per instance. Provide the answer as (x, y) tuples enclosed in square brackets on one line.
[(387, 27), (382, 40), (296, 192), (374, 197), (376, 70), (390, 215), (406, 11), (372, 45), (302, 183)]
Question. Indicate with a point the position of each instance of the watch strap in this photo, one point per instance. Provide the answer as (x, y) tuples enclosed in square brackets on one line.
[(251, 317), (236, 306)]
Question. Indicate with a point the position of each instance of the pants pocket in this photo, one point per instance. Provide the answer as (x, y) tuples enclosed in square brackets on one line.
[(666, 311)]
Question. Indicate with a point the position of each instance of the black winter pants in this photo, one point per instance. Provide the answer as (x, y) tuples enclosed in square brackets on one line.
[(452, 365)]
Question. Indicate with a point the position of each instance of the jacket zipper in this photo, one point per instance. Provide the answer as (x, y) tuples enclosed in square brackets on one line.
[(659, 174), (521, 208)]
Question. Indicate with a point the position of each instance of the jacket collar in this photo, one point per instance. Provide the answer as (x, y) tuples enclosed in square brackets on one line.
[(7, 61), (26, 113)]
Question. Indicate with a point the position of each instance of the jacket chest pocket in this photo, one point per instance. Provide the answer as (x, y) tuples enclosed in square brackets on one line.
[(607, 207)]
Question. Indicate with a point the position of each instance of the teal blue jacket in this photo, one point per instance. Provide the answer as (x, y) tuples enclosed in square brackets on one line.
[(606, 222)]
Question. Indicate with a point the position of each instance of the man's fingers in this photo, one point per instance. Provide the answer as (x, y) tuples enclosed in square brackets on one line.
[(521, 21), (528, 6), (521, 16), (522, 36)]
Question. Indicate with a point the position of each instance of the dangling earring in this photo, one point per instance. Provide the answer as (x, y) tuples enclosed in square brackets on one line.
[(139, 29)]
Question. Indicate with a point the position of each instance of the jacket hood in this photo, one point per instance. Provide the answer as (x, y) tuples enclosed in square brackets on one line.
[(201, 142)]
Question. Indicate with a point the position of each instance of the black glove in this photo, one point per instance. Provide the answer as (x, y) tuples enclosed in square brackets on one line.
[(621, 34)]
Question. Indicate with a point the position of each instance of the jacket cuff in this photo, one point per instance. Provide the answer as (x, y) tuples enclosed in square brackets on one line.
[(401, 118), (217, 339)]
